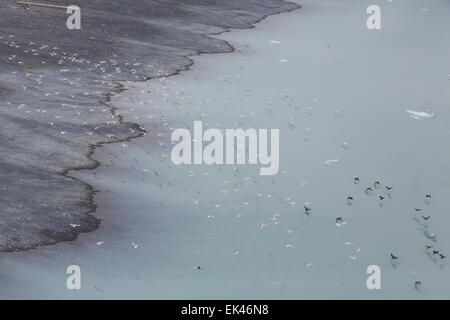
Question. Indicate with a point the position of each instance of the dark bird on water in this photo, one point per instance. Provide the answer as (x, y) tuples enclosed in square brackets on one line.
[(394, 257), (307, 209), (428, 247), (426, 218), (417, 209), (349, 200), (339, 219), (428, 196), (435, 252), (417, 284), (442, 256), (369, 189), (376, 184), (381, 197), (388, 188), (356, 180)]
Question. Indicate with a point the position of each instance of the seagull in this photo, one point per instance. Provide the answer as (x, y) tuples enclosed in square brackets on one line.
[(261, 225), (98, 289), (394, 257), (134, 245)]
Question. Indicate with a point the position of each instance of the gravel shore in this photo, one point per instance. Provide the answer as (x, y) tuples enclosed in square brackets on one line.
[(55, 86)]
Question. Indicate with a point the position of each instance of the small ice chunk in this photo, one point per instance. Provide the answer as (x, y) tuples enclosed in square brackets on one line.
[(331, 161), (419, 114)]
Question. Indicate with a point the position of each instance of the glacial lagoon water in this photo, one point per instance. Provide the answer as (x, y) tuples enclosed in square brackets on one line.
[(348, 102)]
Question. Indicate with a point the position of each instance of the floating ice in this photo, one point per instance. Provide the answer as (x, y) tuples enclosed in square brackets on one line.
[(419, 114), (331, 161)]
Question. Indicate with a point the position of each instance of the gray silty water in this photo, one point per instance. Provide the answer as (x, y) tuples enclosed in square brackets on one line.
[(349, 103), (53, 82)]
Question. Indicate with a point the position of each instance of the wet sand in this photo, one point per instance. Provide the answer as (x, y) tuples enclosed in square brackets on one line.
[(337, 92)]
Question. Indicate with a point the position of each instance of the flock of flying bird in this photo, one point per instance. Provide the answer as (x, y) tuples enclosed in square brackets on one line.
[(393, 257), (369, 191), (176, 97), (382, 193), (116, 69)]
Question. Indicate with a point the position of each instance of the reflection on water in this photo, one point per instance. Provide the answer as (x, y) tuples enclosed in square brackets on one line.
[(363, 178)]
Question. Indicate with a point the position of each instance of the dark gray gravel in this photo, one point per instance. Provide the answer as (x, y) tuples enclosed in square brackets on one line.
[(54, 87)]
